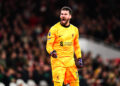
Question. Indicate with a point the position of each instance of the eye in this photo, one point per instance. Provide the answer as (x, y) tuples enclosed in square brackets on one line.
[(65, 14), (61, 14)]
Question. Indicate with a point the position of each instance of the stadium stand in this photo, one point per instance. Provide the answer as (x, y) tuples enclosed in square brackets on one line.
[(23, 28)]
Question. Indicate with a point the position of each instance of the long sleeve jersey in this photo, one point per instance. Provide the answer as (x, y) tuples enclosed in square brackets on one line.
[(65, 41)]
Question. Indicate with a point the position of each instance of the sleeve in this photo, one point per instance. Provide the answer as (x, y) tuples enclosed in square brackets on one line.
[(76, 45), (50, 40)]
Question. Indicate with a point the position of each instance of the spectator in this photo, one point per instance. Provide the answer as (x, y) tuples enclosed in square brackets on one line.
[(25, 24)]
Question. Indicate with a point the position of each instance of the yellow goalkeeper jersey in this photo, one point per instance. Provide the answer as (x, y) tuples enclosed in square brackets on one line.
[(65, 41)]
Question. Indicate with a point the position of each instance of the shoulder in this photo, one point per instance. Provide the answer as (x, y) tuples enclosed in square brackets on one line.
[(74, 27), (54, 27)]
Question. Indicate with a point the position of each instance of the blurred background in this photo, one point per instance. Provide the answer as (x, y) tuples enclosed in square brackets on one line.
[(24, 25)]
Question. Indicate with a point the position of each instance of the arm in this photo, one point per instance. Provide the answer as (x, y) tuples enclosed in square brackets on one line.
[(50, 42), (79, 62), (76, 45)]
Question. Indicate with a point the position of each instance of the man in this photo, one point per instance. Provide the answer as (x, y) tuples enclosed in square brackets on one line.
[(62, 41)]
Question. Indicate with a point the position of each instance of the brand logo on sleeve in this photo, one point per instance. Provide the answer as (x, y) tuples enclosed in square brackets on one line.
[(49, 34)]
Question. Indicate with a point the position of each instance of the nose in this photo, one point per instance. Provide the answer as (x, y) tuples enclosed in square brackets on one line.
[(63, 16)]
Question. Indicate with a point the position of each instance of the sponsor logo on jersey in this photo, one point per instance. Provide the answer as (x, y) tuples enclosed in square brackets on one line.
[(65, 43)]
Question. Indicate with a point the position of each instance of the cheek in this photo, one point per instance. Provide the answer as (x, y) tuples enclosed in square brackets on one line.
[(68, 17), (61, 16)]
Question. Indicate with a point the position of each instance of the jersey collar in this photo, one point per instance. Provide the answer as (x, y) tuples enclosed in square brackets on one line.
[(65, 26)]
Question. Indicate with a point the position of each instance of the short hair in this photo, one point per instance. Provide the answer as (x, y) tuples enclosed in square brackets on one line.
[(67, 9)]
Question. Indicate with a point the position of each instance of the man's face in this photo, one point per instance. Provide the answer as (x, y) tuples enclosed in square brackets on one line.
[(65, 16)]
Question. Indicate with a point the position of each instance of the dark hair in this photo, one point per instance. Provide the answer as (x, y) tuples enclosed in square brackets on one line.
[(67, 8)]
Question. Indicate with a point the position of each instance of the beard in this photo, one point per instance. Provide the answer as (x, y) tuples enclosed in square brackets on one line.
[(64, 21)]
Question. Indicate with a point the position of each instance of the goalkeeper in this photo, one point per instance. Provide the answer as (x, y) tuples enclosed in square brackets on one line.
[(62, 42)]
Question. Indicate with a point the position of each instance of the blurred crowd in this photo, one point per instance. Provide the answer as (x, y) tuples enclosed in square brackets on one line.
[(97, 73), (24, 25)]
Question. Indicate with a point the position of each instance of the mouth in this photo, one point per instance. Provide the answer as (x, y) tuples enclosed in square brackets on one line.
[(63, 19)]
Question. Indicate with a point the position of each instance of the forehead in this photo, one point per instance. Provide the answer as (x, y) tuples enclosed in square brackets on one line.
[(65, 11)]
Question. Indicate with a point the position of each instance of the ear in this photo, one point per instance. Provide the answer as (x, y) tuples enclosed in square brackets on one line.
[(70, 16)]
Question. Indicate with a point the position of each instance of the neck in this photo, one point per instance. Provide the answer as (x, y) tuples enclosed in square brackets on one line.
[(65, 25)]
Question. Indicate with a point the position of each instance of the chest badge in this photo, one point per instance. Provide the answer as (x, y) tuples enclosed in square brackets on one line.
[(61, 43), (72, 35)]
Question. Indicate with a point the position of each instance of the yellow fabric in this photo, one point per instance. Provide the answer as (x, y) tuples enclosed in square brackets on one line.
[(58, 74), (66, 75), (65, 41), (61, 84), (74, 84), (71, 75), (58, 84)]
